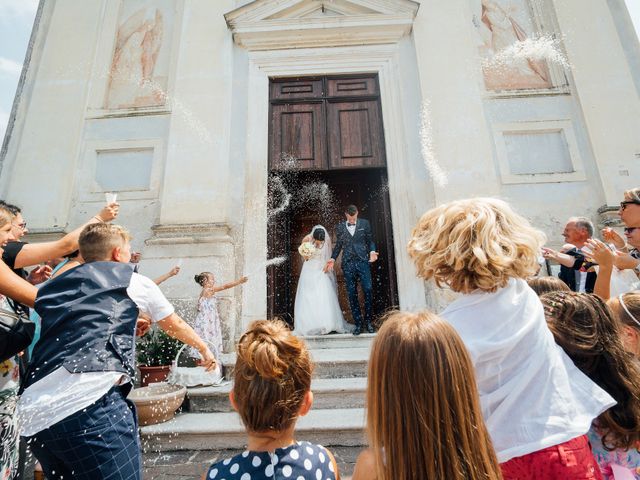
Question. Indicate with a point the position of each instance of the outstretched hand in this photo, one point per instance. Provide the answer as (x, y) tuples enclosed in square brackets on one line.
[(611, 236), (109, 213), (329, 266), (142, 325), (208, 360), (600, 253), (39, 274)]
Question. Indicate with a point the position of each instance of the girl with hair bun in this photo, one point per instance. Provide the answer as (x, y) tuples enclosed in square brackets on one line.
[(272, 389), (207, 322), (423, 412)]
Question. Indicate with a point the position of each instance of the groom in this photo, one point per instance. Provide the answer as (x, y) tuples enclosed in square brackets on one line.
[(354, 239)]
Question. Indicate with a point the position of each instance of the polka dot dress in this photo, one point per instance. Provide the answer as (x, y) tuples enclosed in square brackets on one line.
[(300, 461)]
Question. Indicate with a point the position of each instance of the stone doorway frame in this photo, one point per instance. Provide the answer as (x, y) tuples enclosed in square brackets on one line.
[(380, 59)]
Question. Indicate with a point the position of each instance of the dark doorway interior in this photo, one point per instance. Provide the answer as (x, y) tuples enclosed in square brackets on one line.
[(326, 151), (365, 188)]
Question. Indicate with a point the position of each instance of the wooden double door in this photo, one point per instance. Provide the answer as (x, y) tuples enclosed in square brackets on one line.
[(326, 151)]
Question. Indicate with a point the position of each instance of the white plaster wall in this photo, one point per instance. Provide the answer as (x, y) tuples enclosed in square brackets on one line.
[(197, 169), (38, 173), (205, 132)]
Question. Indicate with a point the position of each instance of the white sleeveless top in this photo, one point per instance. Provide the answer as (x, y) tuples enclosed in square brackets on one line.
[(531, 393)]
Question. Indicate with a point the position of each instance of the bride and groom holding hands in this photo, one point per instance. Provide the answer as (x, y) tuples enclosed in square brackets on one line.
[(317, 310)]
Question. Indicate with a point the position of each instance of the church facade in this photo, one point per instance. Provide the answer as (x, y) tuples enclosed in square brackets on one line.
[(197, 113)]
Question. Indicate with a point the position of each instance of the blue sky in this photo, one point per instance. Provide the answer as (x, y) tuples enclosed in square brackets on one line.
[(16, 20)]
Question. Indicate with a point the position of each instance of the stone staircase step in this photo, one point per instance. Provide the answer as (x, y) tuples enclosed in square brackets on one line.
[(211, 431), (339, 340), (327, 392), (330, 362)]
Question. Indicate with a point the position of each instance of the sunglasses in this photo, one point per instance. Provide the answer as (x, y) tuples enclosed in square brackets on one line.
[(628, 230), (624, 204)]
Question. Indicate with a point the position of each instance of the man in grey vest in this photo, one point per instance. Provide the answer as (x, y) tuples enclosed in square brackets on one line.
[(73, 407)]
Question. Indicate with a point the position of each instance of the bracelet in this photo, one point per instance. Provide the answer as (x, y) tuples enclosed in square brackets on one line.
[(98, 218)]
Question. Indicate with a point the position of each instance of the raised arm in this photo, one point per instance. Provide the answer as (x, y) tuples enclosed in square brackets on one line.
[(12, 286), (229, 285), (561, 258), (171, 273), (604, 258), (177, 328), (35, 253)]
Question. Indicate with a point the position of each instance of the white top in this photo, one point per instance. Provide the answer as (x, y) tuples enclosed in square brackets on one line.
[(531, 393), (61, 393), (581, 281), (351, 228)]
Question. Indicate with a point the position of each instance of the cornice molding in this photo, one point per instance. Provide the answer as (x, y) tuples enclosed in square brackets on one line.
[(289, 24)]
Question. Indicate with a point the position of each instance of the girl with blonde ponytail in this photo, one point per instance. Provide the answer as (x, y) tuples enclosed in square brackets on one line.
[(272, 389)]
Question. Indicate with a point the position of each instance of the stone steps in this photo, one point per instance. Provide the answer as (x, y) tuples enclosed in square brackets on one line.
[(336, 419), (327, 393), (330, 362), (223, 430), (339, 340)]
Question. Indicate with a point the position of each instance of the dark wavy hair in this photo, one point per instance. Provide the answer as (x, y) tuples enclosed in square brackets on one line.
[(585, 328), (318, 234), (201, 278)]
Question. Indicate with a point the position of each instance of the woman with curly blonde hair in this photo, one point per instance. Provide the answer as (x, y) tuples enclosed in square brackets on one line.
[(537, 405)]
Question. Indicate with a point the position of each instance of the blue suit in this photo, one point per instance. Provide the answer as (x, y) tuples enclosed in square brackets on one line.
[(355, 266)]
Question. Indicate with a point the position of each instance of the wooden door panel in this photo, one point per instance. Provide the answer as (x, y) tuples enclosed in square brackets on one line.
[(297, 132), (355, 135), (300, 88), (352, 87)]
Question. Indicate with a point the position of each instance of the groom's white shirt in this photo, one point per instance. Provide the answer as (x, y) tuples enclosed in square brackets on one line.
[(351, 228)]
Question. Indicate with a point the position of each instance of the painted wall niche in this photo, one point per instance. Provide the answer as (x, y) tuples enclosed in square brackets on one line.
[(139, 70)]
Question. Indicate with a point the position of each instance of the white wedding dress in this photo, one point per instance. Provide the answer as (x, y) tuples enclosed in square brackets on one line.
[(316, 310)]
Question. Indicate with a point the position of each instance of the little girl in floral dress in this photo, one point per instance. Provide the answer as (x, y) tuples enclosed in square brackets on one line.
[(207, 323)]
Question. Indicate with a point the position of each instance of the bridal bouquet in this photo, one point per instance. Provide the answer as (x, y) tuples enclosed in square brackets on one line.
[(307, 249)]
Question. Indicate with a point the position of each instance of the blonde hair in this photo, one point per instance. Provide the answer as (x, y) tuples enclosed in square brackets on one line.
[(423, 411), (477, 243), (6, 216), (98, 240), (271, 377)]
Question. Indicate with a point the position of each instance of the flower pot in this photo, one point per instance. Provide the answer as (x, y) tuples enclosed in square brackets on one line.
[(157, 403), (150, 375)]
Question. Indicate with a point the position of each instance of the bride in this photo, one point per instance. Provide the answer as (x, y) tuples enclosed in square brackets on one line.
[(316, 310)]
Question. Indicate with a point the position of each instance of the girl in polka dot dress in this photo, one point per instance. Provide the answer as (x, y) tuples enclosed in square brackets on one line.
[(272, 388)]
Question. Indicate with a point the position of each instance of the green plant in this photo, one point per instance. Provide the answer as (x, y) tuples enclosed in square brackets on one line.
[(157, 349)]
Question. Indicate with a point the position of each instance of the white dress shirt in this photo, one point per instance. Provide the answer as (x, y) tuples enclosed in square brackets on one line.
[(351, 228)]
